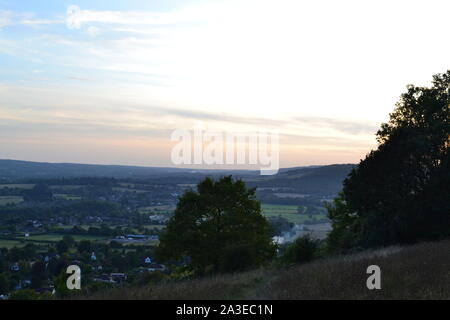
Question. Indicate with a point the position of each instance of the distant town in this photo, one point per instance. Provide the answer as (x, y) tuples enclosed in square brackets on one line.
[(109, 226)]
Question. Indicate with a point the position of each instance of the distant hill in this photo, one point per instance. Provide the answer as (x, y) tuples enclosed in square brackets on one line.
[(307, 180), (321, 181), (15, 169)]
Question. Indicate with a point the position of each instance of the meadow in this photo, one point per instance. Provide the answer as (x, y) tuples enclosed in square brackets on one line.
[(17, 186), (162, 209), (5, 200), (51, 237), (289, 212), (64, 196), (8, 244)]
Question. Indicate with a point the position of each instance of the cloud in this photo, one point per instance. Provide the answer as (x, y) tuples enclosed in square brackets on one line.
[(351, 127), (24, 18), (77, 78), (5, 18), (310, 69), (34, 22), (76, 17), (93, 31)]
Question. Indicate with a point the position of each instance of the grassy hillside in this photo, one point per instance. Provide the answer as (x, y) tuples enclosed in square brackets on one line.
[(415, 272)]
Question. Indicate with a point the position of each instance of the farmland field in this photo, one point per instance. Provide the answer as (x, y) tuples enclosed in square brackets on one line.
[(154, 226), (157, 209), (288, 212), (122, 189), (17, 186), (57, 237), (66, 196), (66, 187), (11, 244), (10, 200), (85, 227)]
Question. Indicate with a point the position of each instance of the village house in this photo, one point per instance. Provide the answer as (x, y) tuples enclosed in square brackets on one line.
[(14, 267)]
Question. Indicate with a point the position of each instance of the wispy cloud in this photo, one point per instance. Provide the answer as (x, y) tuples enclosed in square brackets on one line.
[(76, 17), (5, 18), (26, 18), (37, 22), (324, 74), (351, 127)]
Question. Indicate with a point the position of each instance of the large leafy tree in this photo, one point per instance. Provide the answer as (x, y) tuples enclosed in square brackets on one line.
[(400, 192), (218, 228)]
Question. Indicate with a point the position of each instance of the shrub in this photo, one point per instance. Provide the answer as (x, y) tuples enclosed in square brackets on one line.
[(26, 294), (302, 250)]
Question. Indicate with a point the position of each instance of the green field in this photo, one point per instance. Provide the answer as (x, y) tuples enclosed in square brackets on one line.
[(157, 209), (84, 226), (66, 187), (121, 189), (10, 200), (154, 226), (57, 237), (289, 212), (138, 244), (8, 244), (17, 186), (66, 196)]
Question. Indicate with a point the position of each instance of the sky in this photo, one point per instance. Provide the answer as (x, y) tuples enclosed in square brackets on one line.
[(107, 82)]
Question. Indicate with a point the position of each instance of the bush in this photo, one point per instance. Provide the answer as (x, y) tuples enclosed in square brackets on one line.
[(152, 278), (302, 250), (213, 225), (239, 257), (26, 294)]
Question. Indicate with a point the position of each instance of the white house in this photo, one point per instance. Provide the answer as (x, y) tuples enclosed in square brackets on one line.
[(15, 267)]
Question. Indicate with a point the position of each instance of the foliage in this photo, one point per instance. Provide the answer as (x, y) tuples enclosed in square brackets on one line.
[(302, 250), (84, 246), (279, 225), (25, 294), (215, 225), (149, 278), (4, 283), (62, 247), (399, 192), (40, 192)]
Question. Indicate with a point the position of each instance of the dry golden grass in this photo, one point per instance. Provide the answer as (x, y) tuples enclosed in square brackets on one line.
[(417, 272), (421, 271), (220, 287)]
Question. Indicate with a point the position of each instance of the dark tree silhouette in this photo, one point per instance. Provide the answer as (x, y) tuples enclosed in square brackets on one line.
[(219, 228), (400, 192)]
